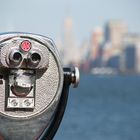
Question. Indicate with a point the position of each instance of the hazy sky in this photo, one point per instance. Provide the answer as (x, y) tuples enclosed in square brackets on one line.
[(47, 16)]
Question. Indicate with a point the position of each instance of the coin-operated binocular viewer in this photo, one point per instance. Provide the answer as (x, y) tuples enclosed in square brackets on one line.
[(33, 87)]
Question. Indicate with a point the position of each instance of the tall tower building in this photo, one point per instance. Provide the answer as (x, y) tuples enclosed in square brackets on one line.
[(70, 51)]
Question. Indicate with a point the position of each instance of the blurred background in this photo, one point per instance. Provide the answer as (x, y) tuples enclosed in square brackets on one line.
[(102, 38)]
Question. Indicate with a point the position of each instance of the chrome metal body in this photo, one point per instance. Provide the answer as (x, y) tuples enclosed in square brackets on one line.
[(31, 83)]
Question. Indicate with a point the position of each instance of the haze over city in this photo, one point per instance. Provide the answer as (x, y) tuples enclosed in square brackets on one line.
[(47, 17)]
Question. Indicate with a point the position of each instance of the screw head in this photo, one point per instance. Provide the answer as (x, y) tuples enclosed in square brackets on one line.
[(14, 102), (27, 102)]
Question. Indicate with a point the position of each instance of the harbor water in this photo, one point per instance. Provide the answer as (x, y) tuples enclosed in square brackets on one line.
[(102, 108)]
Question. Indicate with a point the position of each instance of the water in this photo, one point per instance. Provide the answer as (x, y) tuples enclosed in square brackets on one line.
[(103, 108)]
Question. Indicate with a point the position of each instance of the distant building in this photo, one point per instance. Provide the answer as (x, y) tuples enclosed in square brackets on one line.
[(84, 51), (111, 55), (70, 50), (95, 43), (114, 62), (114, 32), (130, 58)]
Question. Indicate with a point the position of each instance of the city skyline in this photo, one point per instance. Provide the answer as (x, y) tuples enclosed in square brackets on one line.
[(109, 49), (80, 28)]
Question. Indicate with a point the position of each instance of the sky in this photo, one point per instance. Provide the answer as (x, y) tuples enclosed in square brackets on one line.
[(47, 17)]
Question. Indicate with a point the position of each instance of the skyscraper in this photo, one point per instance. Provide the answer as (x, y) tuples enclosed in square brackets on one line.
[(114, 32), (130, 58), (96, 40), (70, 50)]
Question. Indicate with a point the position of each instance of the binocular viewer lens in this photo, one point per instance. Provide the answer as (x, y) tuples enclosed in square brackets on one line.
[(32, 58), (35, 57), (15, 57), (34, 86)]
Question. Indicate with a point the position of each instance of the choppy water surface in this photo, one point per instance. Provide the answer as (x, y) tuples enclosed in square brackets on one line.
[(103, 108)]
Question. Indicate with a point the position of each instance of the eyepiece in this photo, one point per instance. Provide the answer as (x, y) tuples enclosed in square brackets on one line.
[(34, 58), (15, 57)]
